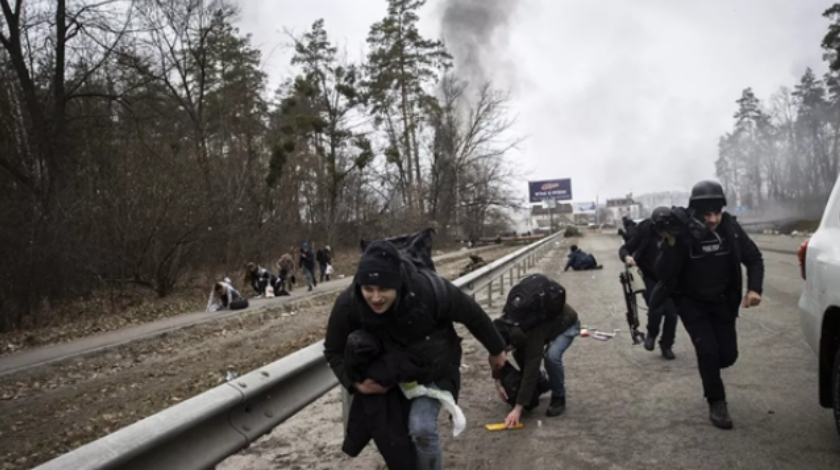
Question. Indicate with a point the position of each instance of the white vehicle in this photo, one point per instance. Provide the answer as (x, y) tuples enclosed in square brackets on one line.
[(819, 305)]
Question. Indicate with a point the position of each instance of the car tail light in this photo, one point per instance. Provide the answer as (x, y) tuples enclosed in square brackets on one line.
[(801, 253)]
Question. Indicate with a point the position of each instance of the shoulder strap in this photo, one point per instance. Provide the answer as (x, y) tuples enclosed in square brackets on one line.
[(439, 288), (649, 234)]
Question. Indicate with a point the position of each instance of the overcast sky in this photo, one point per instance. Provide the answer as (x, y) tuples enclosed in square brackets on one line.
[(617, 95)]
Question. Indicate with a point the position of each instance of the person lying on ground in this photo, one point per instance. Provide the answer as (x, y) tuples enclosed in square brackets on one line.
[(580, 260), (224, 295)]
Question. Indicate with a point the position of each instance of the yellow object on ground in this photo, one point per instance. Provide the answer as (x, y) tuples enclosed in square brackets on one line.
[(501, 427)]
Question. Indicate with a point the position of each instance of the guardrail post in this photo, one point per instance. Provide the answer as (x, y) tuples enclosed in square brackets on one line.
[(502, 285), (510, 274), (490, 294)]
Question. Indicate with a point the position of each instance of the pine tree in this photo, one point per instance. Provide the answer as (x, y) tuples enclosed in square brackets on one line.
[(402, 67)]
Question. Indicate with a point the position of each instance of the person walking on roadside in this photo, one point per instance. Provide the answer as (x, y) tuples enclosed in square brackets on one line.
[(700, 268), (286, 273), (307, 263), (324, 258)]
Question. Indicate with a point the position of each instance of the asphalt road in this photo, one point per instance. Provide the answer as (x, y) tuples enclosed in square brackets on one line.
[(627, 408)]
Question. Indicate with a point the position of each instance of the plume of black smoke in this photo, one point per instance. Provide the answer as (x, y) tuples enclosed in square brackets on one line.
[(476, 32)]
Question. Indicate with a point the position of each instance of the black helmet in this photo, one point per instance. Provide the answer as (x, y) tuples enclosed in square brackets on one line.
[(706, 191), (660, 215), (707, 196)]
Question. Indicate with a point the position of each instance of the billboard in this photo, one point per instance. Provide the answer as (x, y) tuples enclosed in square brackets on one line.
[(584, 207), (559, 190)]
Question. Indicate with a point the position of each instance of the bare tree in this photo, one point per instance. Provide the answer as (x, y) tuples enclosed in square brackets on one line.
[(470, 175)]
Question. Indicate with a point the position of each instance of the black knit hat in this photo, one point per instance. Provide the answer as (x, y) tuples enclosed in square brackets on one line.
[(380, 266)]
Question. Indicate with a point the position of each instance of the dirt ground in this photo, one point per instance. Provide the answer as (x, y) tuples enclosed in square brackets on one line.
[(49, 410)]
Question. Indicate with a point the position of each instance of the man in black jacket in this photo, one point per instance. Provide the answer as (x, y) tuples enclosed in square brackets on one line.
[(641, 250), (539, 332), (415, 310), (702, 272), (629, 229)]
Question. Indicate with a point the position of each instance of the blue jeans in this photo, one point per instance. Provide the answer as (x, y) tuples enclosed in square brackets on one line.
[(554, 360), (423, 429), (310, 277)]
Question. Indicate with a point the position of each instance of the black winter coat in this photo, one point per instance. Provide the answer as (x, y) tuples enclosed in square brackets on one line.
[(383, 417), (420, 323), (367, 356), (307, 259), (674, 267), (643, 246), (530, 349), (261, 279)]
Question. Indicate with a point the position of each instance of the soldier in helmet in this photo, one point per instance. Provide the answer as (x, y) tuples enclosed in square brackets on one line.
[(630, 227), (701, 271), (641, 250)]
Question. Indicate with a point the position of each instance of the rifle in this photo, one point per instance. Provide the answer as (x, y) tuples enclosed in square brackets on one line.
[(630, 290)]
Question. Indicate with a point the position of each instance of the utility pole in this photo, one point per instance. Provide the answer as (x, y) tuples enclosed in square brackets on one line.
[(597, 212), (550, 204)]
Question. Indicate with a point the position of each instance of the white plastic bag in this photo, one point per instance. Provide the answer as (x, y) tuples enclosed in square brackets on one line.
[(459, 421), (269, 291), (213, 304), (329, 270)]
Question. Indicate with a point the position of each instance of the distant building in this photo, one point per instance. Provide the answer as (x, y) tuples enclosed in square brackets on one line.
[(621, 207), (651, 201)]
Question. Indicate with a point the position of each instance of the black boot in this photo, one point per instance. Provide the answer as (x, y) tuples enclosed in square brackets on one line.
[(667, 353), (650, 342), (719, 414), (556, 407)]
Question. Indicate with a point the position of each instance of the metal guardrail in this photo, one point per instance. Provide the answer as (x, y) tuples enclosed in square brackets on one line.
[(206, 429)]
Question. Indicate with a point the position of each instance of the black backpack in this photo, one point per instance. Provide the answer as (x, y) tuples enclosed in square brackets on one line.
[(417, 247), (535, 299)]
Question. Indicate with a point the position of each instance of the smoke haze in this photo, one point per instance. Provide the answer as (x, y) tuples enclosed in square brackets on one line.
[(476, 33)]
